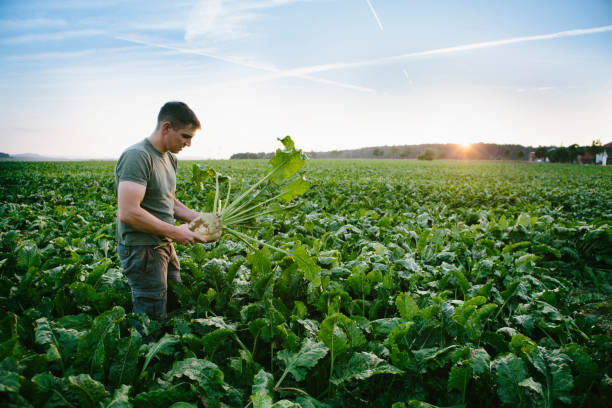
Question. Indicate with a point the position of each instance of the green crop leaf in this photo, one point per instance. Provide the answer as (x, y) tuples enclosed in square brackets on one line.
[(510, 290), (9, 381), (163, 398), (74, 391), (524, 220), (262, 400), (532, 385), (555, 368), (28, 255), (262, 389), (510, 372), (286, 163), (587, 368), (312, 271), (120, 399), (294, 189), (92, 354), (288, 143), (307, 357), (260, 263), (406, 306), (88, 391), (216, 321), (382, 327), (309, 402), (206, 373), (477, 320), (80, 322), (362, 366), (459, 377), (124, 365), (485, 290), (165, 345), (50, 391), (462, 314), (262, 382), (339, 333), (46, 337), (522, 344), (461, 280), (480, 361), (214, 339)]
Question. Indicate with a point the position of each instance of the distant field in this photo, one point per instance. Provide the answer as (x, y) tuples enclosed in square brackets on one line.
[(447, 282)]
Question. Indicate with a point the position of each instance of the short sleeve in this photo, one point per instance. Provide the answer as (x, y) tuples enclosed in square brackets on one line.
[(134, 165), (173, 160)]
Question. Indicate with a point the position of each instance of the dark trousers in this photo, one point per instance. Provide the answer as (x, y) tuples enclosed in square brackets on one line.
[(148, 269)]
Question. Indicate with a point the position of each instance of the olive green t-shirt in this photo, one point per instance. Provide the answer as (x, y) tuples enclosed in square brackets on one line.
[(143, 164)]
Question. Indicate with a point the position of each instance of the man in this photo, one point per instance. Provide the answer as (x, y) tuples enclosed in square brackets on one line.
[(145, 180)]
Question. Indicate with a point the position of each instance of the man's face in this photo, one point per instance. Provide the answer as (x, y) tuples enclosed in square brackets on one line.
[(177, 139)]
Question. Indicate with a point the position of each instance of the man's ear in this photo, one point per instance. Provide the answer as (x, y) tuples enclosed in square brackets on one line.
[(165, 127)]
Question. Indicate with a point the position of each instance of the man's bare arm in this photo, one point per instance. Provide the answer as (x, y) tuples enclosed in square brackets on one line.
[(129, 197), (183, 213)]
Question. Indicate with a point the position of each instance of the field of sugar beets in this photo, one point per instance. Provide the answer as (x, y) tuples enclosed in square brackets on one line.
[(440, 284)]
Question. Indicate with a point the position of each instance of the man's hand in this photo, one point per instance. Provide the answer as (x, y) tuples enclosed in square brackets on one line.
[(183, 235), (208, 226)]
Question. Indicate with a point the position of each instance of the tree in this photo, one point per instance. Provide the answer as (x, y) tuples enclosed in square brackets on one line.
[(4, 155), (427, 154), (405, 153), (393, 151), (377, 152), (559, 155), (596, 147), (541, 152), (520, 155)]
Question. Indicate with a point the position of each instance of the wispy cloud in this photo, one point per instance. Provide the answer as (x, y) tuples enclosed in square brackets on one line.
[(226, 19), (244, 63), (56, 36), (375, 15), (30, 23), (73, 4), (59, 55), (312, 69)]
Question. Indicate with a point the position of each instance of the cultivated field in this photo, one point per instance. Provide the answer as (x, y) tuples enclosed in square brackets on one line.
[(450, 283)]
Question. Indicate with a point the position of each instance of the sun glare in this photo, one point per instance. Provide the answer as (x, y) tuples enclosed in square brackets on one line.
[(466, 146)]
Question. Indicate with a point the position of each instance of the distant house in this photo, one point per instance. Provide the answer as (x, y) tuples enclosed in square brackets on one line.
[(605, 158), (586, 158)]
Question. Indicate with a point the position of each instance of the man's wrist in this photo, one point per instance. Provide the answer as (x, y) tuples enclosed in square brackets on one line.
[(194, 215), (173, 232)]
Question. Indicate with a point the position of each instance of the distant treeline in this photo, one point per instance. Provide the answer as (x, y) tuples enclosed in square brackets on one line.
[(476, 151), (260, 155), (4, 155), (573, 153), (480, 151)]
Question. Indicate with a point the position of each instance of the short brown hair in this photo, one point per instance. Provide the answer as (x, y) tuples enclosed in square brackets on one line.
[(179, 115)]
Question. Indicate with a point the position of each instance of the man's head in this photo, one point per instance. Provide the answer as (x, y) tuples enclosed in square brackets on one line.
[(179, 115), (176, 124)]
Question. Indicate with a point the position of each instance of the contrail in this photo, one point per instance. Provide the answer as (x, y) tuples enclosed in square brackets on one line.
[(304, 72), (236, 61), (301, 71), (375, 15)]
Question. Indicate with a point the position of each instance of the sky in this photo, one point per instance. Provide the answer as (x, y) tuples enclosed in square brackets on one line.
[(86, 79)]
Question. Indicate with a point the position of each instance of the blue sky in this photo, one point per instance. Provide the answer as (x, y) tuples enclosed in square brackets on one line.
[(86, 79)]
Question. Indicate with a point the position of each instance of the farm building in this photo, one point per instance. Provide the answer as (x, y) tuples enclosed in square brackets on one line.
[(605, 157)]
